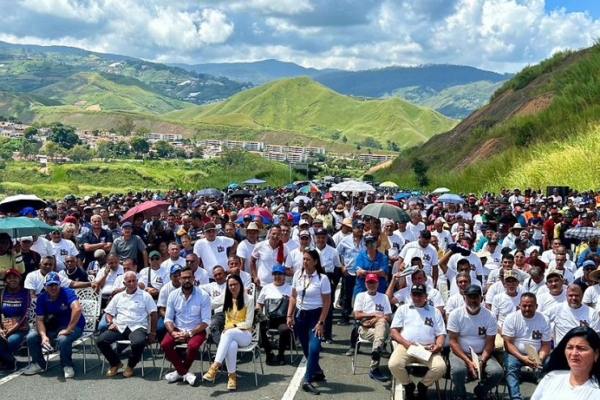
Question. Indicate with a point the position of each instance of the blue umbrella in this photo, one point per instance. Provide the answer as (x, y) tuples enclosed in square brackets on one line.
[(233, 186), (402, 195), (241, 220), (254, 181), (451, 198)]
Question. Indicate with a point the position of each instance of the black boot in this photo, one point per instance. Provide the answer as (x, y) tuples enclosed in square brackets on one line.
[(422, 391), (409, 391)]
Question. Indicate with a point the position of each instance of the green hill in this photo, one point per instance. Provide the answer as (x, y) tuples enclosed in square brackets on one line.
[(103, 91), (540, 128), (302, 105), (22, 105)]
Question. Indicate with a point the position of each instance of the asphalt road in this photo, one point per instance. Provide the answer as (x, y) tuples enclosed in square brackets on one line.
[(278, 382)]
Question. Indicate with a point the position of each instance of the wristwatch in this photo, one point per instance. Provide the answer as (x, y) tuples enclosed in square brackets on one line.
[(320, 323)]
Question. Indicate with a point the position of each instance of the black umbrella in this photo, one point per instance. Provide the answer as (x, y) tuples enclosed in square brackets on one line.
[(241, 194), (416, 199), (209, 192), (583, 233), (266, 192), (14, 204)]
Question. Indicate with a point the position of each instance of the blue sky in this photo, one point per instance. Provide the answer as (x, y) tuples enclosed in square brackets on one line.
[(498, 35), (591, 6)]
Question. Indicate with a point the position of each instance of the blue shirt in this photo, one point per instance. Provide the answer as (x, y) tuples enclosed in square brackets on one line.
[(379, 263), (187, 313), (15, 305), (61, 307), (349, 251)]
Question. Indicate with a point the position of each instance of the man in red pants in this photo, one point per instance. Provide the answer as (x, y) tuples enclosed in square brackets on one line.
[(186, 318)]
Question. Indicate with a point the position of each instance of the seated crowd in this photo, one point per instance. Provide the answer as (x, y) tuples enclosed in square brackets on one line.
[(480, 291)]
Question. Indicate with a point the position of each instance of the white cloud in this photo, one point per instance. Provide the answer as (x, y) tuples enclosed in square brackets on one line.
[(501, 35)]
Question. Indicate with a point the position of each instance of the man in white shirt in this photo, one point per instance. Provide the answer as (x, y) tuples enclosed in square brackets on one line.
[(212, 249), (572, 313), (345, 230), (444, 237), (200, 275), (244, 249), (535, 282), (473, 328), (186, 319), (127, 316), (154, 277), (106, 277), (417, 324), (35, 280), (457, 300), (407, 235), (403, 296), (415, 225), (425, 251), (522, 328), (42, 246), (396, 241), (559, 265), (554, 293), (62, 248), (506, 302), (266, 254), (374, 313), (174, 257)]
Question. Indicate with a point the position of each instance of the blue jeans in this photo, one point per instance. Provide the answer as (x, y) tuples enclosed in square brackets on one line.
[(64, 343), (490, 376), (305, 322), (513, 372), (12, 344)]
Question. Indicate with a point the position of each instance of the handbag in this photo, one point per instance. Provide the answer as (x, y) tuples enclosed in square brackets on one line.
[(277, 308)]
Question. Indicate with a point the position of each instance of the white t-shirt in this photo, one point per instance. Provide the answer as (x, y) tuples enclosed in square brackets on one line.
[(474, 261), (419, 324), (495, 289), (366, 303), (164, 293), (168, 263), (434, 298), (454, 301), (309, 290), (428, 255), (42, 247), (213, 253), (472, 329), (215, 291), (244, 250), (444, 239), (35, 281), (503, 304), (566, 318), (158, 277), (524, 331), (292, 244), (396, 244), (201, 277), (293, 262), (555, 385), (111, 278), (406, 235), (329, 258), (266, 257), (61, 250), (546, 301), (273, 292), (337, 238), (415, 229), (591, 295)]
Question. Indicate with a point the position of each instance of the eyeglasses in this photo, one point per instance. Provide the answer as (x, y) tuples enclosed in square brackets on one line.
[(69, 261), (47, 264), (155, 258), (190, 261)]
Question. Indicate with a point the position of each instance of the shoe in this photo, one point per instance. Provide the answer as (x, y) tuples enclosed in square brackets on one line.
[(231, 381), (10, 365), (190, 378), (409, 391), (33, 369), (69, 372), (343, 322), (211, 374), (280, 359), (112, 371), (329, 340), (172, 377), (310, 389), (376, 354), (350, 352), (128, 373), (478, 392), (319, 377), (376, 374), (338, 305), (422, 392), (271, 359)]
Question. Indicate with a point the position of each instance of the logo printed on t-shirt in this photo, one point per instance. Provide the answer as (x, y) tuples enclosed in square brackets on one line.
[(536, 335), (220, 249), (481, 330), (583, 322), (428, 321), (379, 307)]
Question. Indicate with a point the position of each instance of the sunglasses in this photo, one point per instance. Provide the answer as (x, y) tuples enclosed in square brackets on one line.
[(155, 258)]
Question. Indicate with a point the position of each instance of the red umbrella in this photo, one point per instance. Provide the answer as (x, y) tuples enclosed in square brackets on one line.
[(147, 208), (327, 195), (263, 212)]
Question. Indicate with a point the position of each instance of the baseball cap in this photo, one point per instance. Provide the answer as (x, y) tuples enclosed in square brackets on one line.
[(586, 263), (371, 278), (27, 239), (175, 268), (554, 273), (511, 274), (154, 253), (278, 268), (357, 222), (473, 290), (304, 234), (12, 271), (209, 226), (303, 222), (51, 279), (418, 288), (126, 225), (321, 231), (370, 238)]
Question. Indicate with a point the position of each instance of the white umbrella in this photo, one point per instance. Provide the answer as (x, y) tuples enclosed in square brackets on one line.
[(352, 186), (441, 190), (388, 184)]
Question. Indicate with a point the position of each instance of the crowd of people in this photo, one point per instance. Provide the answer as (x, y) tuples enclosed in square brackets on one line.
[(481, 287)]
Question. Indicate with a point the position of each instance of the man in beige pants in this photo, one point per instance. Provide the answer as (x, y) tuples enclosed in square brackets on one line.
[(417, 324), (374, 312)]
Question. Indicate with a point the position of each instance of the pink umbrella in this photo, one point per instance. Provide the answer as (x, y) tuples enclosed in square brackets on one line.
[(263, 212), (147, 208)]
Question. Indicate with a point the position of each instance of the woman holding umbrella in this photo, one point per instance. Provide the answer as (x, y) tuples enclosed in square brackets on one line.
[(10, 256)]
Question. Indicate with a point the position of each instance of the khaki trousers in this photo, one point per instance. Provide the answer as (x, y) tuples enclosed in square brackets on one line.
[(378, 335), (399, 360)]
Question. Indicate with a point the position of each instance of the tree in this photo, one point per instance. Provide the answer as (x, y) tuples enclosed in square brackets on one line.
[(28, 148), (63, 135), (104, 150), (198, 152), (121, 149), (142, 130), (163, 149), (80, 153), (29, 132), (125, 126), (344, 139), (51, 149), (139, 145), (420, 169)]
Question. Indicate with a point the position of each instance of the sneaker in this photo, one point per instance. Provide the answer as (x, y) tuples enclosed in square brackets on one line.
[(231, 381), (319, 377), (376, 354), (376, 374), (329, 340), (69, 372), (310, 389), (343, 322), (211, 374), (350, 352), (271, 359), (33, 369), (172, 377), (281, 359), (190, 378)]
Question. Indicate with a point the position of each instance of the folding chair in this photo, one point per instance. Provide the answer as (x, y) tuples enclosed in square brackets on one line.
[(359, 341), (254, 348), (127, 343)]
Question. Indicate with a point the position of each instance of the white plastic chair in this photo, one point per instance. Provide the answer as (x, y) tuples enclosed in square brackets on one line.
[(254, 348), (90, 301)]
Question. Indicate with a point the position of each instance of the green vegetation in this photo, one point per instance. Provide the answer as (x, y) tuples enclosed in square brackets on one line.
[(555, 144), (301, 105), (121, 176)]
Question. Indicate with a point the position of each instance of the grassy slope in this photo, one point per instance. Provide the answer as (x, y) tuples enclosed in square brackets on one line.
[(301, 105), (500, 145), (110, 92), (120, 176), (21, 105)]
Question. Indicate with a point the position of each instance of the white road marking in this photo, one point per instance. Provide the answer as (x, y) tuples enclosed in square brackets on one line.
[(294, 385), (19, 372)]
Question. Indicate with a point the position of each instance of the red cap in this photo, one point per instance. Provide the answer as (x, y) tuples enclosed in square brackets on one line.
[(372, 278), (13, 271)]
